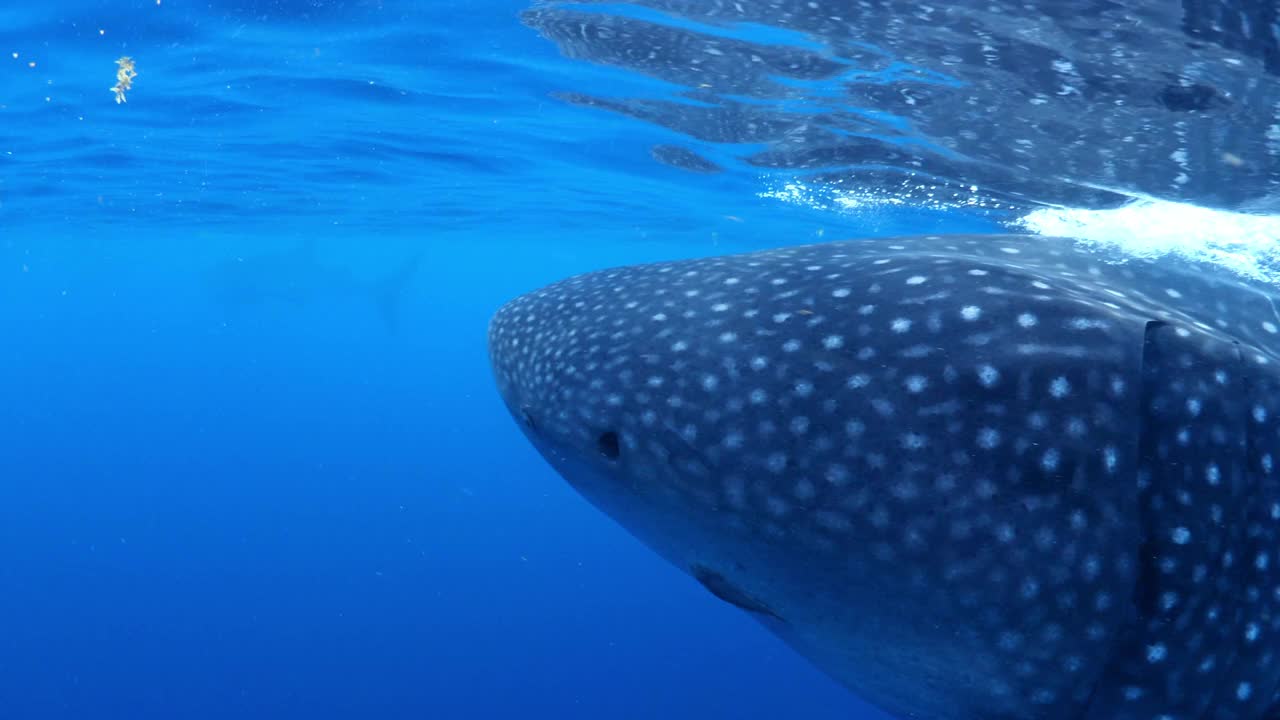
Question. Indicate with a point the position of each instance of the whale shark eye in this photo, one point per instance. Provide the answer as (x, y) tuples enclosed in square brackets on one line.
[(608, 445), (527, 418)]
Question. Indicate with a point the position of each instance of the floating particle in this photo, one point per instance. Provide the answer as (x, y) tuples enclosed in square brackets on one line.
[(124, 78)]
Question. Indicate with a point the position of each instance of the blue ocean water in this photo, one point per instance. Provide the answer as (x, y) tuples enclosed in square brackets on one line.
[(236, 480)]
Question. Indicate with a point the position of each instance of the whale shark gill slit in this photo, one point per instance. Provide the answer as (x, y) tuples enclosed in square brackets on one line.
[(1190, 590)]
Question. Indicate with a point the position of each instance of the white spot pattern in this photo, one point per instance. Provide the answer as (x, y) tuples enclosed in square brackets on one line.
[(808, 396)]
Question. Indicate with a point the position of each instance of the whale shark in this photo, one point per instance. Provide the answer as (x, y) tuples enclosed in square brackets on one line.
[(1000, 103), (969, 477)]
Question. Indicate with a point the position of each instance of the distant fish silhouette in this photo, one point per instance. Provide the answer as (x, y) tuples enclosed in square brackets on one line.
[(298, 277)]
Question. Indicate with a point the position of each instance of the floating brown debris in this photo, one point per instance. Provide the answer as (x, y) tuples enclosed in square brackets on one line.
[(124, 78)]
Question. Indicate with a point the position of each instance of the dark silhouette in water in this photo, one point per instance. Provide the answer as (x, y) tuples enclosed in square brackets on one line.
[(1032, 101), (298, 277), (972, 478), (683, 158)]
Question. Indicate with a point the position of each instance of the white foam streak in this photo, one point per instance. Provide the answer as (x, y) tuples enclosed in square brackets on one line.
[(1246, 244)]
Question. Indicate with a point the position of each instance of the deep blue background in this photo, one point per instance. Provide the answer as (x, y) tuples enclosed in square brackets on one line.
[(286, 510)]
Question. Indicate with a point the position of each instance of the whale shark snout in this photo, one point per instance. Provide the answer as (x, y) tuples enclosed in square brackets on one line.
[(959, 474)]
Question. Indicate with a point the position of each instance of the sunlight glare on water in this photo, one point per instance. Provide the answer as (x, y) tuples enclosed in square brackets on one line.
[(1147, 227), (1243, 243)]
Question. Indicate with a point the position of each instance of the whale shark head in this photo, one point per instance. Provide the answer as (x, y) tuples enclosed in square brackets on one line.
[(969, 477)]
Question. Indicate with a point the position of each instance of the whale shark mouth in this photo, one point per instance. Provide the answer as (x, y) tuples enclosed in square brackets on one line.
[(723, 588)]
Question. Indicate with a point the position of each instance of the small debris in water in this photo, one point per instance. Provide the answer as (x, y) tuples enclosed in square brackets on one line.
[(124, 78)]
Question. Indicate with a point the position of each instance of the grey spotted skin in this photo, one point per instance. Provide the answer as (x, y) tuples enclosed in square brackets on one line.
[(1083, 102), (972, 478)]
